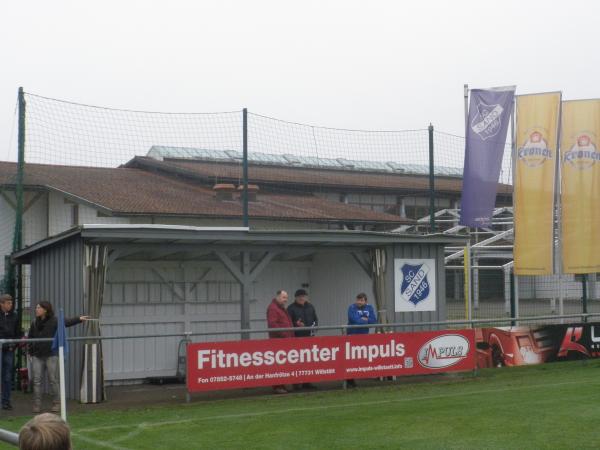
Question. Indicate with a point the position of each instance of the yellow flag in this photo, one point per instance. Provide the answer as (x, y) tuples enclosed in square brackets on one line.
[(535, 169), (580, 196)]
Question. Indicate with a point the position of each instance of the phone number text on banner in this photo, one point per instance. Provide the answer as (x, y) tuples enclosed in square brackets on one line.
[(266, 362)]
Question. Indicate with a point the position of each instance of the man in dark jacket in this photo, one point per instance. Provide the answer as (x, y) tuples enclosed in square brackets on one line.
[(9, 329), (302, 313)]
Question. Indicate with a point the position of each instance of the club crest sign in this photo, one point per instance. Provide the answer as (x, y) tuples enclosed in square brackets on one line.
[(487, 121), (414, 285)]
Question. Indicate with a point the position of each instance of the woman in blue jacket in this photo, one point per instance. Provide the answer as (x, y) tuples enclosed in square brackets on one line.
[(361, 313)]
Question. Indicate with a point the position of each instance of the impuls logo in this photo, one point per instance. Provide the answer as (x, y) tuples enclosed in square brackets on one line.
[(534, 152), (583, 154), (443, 351)]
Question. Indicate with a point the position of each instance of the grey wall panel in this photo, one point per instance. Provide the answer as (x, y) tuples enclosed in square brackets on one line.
[(336, 279), (57, 277)]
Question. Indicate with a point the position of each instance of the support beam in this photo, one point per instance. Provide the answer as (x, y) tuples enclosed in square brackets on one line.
[(229, 265), (194, 284), (365, 265), (8, 200), (32, 201), (261, 264), (175, 290)]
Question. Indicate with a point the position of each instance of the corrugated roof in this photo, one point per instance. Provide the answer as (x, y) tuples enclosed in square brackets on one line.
[(292, 175), (164, 152), (186, 237), (134, 191)]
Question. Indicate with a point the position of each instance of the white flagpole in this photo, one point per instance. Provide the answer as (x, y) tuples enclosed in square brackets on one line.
[(558, 187), (514, 162), (61, 366), (467, 253)]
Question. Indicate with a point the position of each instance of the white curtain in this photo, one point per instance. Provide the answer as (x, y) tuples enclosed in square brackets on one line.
[(92, 375)]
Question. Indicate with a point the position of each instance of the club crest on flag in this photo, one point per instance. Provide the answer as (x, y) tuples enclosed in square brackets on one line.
[(584, 153), (534, 152), (487, 121), (415, 286)]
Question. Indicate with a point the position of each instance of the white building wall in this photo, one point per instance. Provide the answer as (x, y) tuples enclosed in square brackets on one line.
[(89, 215), (34, 227), (60, 214), (35, 223), (7, 228)]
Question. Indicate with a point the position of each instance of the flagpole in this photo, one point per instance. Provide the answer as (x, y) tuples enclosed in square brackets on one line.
[(61, 338), (558, 184), (63, 400), (467, 251), (513, 157)]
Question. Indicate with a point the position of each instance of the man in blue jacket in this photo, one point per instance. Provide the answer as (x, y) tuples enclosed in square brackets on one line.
[(360, 313)]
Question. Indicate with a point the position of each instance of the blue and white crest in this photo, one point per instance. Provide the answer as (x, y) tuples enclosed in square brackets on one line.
[(415, 286), (488, 120)]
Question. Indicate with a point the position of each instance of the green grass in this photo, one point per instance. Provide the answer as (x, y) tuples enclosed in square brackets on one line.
[(550, 406)]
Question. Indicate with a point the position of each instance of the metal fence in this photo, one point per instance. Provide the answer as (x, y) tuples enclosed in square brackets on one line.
[(190, 337)]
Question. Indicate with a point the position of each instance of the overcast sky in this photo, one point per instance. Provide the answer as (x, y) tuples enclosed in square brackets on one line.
[(351, 64)]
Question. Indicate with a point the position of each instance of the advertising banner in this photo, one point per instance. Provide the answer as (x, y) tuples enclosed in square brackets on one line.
[(414, 281), (535, 173), (580, 196), (267, 362), (489, 116), (523, 345)]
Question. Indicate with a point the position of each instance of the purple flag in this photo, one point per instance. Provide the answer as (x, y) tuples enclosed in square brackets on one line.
[(489, 116)]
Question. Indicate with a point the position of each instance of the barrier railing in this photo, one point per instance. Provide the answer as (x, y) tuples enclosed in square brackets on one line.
[(12, 438)]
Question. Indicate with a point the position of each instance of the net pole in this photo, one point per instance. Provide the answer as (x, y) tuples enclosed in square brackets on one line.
[(18, 233), (245, 166), (431, 182)]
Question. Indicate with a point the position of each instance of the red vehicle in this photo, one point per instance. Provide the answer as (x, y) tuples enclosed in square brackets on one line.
[(512, 346)]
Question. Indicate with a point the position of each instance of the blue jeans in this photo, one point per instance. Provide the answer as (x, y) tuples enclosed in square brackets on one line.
[(8, 365)]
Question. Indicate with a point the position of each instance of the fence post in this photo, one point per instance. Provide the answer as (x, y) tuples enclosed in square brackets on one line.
[(245, 166), (584, 296), (467, 280), (512, 298), (431, 182)]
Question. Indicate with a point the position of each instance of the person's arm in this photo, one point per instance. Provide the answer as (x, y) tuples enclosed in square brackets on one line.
[(30, 333), (316, 318), (354, 316), (292, 313), (75, 320), (372, 315)]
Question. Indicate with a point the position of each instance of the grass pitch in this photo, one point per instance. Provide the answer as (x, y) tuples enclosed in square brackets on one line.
[(550, 406)]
